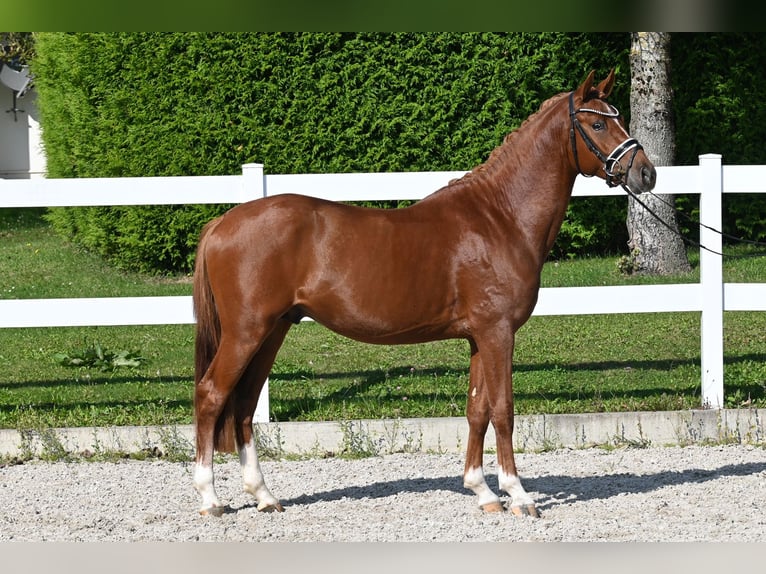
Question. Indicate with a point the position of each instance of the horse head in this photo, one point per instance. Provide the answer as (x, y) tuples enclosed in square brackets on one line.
[(600, 143)]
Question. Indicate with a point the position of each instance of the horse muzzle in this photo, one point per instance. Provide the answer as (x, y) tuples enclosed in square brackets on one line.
[(639, 176)]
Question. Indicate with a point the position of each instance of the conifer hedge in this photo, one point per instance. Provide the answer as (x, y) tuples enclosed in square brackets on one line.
[(157, 104)]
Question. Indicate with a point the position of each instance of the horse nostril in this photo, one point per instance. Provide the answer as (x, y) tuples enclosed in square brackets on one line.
[(648, 176)]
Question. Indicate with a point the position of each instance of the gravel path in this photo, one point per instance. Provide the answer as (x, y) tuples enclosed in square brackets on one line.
[(715, 493)]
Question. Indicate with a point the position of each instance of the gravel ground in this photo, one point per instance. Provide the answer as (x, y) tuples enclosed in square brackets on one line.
[(714, 493)]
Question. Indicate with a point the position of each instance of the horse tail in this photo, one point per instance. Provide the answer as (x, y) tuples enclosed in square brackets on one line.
[(206, 343)]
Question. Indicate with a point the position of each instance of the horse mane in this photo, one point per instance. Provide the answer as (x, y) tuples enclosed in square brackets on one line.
[(499, 154)]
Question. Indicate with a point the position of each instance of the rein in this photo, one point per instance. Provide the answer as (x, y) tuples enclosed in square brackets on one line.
[(692, 242)]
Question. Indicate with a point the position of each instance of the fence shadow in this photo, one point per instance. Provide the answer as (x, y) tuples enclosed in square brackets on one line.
[(97, 378), (367, 379)]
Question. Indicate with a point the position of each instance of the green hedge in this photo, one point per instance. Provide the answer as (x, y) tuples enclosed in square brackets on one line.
[(150, 104), (719, 86)]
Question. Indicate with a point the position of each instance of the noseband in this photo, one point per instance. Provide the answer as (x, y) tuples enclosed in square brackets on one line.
[(612, 168)]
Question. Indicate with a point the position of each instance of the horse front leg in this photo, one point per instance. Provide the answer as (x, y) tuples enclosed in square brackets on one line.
[(496, 359), (477, 413)]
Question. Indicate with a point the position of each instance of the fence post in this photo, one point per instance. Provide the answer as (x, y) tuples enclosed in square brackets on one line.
[(253, 187), (711, 279), (253, 182)]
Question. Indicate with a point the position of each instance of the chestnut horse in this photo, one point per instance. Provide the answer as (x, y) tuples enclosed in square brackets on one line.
[(464, 263)]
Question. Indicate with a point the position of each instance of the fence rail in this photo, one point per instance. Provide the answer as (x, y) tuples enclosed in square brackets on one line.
[(711, 296)]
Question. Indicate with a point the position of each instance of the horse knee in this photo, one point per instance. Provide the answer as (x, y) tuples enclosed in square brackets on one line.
[(477, 412), (503, 429)]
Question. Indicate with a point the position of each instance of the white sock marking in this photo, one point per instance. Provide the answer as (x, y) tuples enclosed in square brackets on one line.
[(203, 482), (512, 485), (474, 480), (252, 477)]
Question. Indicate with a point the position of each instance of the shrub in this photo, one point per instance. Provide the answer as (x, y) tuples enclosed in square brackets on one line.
[(159, 104)]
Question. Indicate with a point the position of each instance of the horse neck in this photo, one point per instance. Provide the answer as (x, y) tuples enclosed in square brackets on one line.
[(528, 180)]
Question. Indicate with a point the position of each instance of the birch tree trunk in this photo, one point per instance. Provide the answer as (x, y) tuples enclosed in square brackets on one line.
[(654, 248)]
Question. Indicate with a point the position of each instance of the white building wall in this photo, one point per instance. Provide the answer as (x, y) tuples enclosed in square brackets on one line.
[(21, 150)]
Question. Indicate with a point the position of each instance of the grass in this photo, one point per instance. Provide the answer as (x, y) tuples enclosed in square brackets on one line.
[(563, 364)]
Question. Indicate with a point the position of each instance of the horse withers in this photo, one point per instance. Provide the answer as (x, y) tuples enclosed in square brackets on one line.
[(464, 262)]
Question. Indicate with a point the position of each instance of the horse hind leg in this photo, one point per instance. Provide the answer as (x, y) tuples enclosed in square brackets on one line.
[(215, 407), (249, 391)]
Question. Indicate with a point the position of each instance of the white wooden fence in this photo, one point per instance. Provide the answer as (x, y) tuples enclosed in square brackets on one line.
[(711, 296)]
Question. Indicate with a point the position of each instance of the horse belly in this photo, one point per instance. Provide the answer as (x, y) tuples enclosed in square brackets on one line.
[(384, 303), (371, 327)]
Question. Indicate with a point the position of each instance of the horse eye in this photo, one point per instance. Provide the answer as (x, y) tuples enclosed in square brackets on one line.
[(598, 126)]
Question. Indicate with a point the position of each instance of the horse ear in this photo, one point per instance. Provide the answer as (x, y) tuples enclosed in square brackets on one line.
[(584, 91), (605, 87)]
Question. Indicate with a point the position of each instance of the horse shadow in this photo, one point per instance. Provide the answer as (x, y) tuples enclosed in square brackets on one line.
[(555, 489), (549, 490)]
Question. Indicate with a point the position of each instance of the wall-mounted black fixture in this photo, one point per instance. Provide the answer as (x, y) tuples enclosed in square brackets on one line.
[(18, 81)]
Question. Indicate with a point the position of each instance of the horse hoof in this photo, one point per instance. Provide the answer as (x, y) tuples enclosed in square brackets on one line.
[(493, 507), (270, 507), (528, 510), (212, 511)]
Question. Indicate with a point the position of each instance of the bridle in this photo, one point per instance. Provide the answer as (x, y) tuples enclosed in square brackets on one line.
[(612, 168), (616, 176)]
